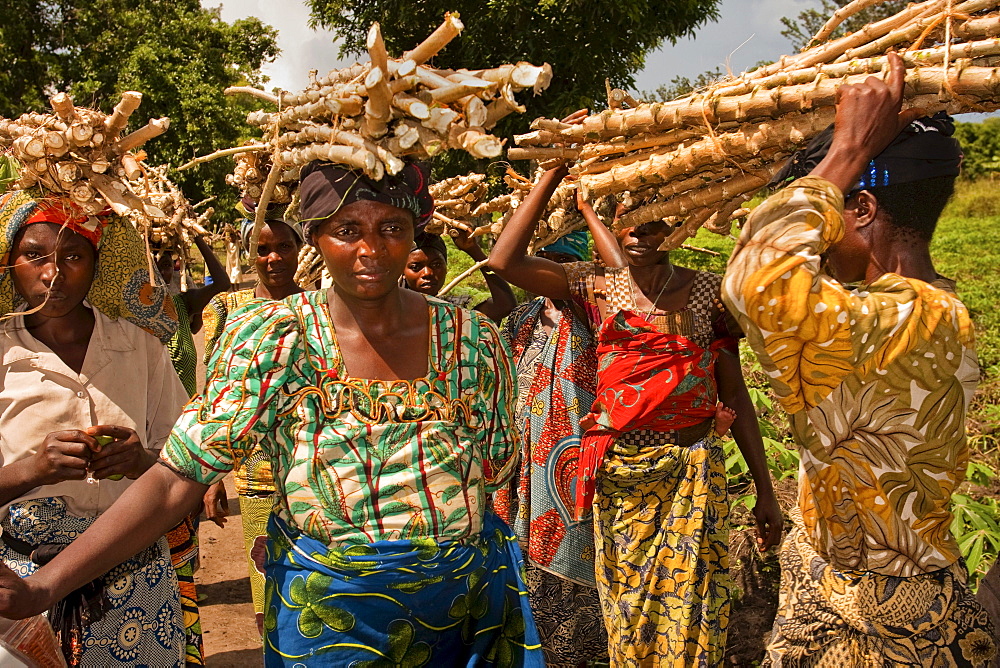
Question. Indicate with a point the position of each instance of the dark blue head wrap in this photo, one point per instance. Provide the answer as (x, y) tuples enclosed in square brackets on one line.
[(925, 149)]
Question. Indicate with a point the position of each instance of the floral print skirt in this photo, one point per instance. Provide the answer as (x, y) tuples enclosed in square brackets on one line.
[(829, 618), (660, 517), (397, 603)]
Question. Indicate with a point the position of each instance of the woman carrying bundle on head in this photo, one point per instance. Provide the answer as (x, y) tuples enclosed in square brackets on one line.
[(555, 355), (380, 547), (651, 464), (277, 261), (427, 269), (87, 399)]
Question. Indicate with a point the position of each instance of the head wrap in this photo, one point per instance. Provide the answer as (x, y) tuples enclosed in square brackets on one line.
[(576, 243), (924, 149), (121, 287), (246, 229), (426, 241), (325, 187), (67, 214)]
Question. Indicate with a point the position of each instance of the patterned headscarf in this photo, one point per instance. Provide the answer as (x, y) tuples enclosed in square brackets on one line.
[(326, 187), (121, 287), (576, 243), (925, 149)]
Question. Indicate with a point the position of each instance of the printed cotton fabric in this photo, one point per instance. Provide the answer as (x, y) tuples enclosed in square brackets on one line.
[(663, 559), (398, 603), (556, 373), (356, 461), (876, 381), (121, 287), (144, 625), (830, 619), (253, 475)]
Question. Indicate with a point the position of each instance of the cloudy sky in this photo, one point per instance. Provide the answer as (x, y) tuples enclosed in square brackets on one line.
[(755, 22)]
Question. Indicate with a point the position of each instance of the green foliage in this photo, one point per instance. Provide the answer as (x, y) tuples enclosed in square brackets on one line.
[(976, 529), (178, 54), (583, 41), (801, 29), (981, 144)]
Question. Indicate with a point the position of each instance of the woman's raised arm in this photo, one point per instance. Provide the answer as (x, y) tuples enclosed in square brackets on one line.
[(510, 258)]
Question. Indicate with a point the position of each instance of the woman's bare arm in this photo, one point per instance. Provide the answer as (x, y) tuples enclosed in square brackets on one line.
[(150, 507), (733, 393), (510, 258), (605, 243)]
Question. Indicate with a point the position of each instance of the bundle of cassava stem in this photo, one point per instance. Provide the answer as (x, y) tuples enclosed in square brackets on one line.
[(372, 115), (250, 173), (312, 273), (455, 200), (175, 220), (80, 153), (696, 160)]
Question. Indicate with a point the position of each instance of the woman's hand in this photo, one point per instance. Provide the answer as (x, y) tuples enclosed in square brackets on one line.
[(770, 521), (122, 456), (64, 455), (465, 242), (868, 119), (217, 504), (17, 597)]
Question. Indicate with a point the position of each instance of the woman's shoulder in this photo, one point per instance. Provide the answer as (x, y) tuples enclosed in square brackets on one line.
[(261, 318)]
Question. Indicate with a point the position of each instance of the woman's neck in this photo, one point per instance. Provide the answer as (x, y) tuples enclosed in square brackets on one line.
[(276, 292), (68, 336), (650, 279)]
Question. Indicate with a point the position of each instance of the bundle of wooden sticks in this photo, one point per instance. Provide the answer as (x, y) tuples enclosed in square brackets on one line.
[(698, 159), (80, 153), (373, 115)]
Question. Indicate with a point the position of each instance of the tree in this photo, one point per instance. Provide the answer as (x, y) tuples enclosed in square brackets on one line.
[(981, 144), (178, 54), (583, 41), (801, 29)]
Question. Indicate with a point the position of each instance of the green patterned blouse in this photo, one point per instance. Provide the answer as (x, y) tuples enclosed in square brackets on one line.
[(356, 461)]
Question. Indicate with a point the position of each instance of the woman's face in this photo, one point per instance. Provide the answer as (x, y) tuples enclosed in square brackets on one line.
[(53, 268), (365, 247), (277, 256), (640, 243), (425, 271)]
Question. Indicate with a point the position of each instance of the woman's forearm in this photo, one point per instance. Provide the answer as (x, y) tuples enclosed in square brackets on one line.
[(733, 393), (216, 269), (509, 257), (151, 506), (605, 243), (502, 300), (17, 479)]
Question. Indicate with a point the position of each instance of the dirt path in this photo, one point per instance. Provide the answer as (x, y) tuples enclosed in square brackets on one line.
[(227, 618)]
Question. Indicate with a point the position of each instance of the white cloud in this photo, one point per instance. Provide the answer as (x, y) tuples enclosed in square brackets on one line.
[(302, 48)]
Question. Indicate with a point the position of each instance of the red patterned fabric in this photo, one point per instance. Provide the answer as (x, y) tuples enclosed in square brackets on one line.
[(646, 379), (64, 213)]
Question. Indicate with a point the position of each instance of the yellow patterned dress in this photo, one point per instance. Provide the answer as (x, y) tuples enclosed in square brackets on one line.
[(876, 381), (661, 508), (254, 482)]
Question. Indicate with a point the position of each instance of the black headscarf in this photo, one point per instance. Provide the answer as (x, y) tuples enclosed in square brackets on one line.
[(426, 241), (325, 187), (925, 149)]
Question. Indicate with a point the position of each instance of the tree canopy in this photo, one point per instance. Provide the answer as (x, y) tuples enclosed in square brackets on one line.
[(585, 42), (179, 55)]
